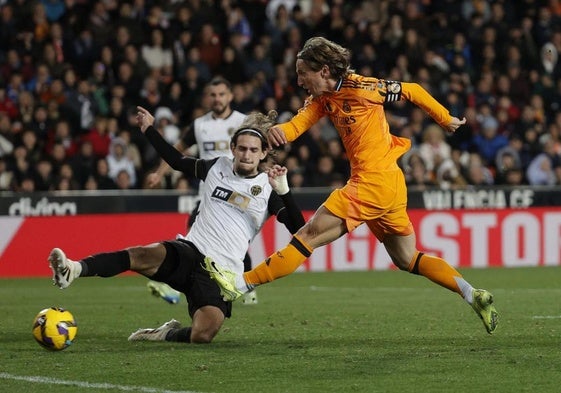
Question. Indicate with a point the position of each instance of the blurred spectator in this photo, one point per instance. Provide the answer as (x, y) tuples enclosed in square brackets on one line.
[(104, 181), (449, 174), (6, 144), (194, 60), (209, 45), (7, 106), (182, 184), (334, 149), (181, 45), (81, 107), (434, 149), (124, 180), (83, 163), (118, 161), (164, 120), (84, 52), (133, 152), (6, 176), (26, 185), (324, 174), (489, 142), (259, 61), (91, 184), (417, 174), (99, 137), (28, 139), (128, 81), (237, 23), (545, 168), (150, 95), (476, 173), (61, 133), (65, 180), (139, 66), (296, 179), (232, 67), (158, 55)]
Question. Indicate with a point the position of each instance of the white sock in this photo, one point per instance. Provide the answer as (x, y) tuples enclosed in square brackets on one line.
[(466, 288), (241, 284), (76, 268)]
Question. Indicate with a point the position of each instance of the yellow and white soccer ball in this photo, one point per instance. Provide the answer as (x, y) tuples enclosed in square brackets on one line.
[(54, 328)]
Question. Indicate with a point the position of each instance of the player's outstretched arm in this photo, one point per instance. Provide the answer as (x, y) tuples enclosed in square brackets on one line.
[(172, 156), (154, 179)]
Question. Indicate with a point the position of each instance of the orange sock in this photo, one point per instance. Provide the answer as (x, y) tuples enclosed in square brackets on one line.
[(437, 270), (280, 264)]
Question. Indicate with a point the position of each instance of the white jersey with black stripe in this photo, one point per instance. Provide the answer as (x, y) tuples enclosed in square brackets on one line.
[(213, 134), (233, 210)]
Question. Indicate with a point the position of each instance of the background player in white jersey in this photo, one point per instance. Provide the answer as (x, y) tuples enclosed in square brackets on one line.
[(236, 201), (211, 134)]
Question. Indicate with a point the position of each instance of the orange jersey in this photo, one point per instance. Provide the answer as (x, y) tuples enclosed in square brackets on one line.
[(356, 109)]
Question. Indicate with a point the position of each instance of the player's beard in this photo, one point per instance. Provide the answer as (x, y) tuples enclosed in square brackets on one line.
[(219, 109), (245, 171)]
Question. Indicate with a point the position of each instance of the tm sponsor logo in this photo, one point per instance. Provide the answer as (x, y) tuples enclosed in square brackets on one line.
[(43, 207)]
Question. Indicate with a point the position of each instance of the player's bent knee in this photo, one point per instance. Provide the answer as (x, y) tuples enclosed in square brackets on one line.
[(203, 337)]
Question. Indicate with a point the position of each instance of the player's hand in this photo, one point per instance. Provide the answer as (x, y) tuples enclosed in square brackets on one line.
[(278, 179), (276, 136), (455, 123), (154, 180), (144, 119)]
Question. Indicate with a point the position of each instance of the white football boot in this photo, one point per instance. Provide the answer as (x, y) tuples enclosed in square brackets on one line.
[(64, 269), (158, 334)]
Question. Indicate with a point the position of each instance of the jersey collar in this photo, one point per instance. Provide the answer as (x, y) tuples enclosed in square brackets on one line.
[(339, 84)]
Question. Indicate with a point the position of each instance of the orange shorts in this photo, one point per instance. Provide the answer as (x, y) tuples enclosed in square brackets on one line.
[(378, 199)]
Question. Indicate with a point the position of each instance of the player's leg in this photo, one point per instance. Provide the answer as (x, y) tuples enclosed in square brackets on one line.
[(323, 228), (182, 269), (162, 290), (145, 260), (403, 252), (207, 321), (402, 249)]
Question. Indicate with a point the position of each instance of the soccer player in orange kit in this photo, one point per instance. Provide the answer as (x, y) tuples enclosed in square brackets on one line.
[(376, 193)]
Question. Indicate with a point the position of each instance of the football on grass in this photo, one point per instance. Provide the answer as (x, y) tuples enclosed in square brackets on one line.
[(54, 328)]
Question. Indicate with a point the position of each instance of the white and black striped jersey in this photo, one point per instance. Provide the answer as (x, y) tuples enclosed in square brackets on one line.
[(212, 135), (233, 208)]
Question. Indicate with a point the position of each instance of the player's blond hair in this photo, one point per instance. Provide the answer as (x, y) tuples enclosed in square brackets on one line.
[(257, 124), (319, 51)]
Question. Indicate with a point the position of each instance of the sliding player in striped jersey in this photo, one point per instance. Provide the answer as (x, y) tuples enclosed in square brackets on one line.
[(237, 199)]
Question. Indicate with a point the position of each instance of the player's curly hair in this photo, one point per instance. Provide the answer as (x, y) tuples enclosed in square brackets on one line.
[(257, 124), (319, 51)]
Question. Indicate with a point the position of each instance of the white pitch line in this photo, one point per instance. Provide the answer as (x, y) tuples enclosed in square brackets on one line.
[(88, 385), (546, 317)]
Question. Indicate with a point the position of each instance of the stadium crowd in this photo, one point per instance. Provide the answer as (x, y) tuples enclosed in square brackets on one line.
[(73, 71)]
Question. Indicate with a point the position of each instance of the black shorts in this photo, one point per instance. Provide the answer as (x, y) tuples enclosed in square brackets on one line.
[(182, 270)]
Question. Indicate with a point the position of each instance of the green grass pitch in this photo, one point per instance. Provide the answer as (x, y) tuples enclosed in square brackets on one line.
[(311, 332)]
